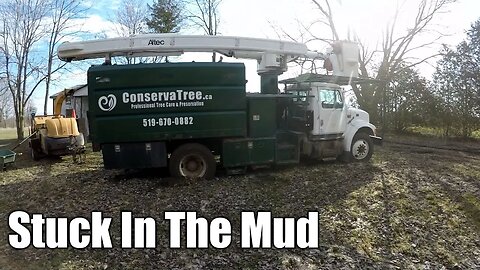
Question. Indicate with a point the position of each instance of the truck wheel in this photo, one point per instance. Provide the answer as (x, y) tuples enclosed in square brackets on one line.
[(362, 147), (192, 160)]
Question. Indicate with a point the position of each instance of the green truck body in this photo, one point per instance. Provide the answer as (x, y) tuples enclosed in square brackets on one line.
[(183, 115), (141, 113), (166, 101)]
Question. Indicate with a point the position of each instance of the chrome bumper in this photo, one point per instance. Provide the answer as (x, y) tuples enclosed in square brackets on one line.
[(376, 140)]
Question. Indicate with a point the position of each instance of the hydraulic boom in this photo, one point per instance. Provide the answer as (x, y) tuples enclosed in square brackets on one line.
[(272, 55)]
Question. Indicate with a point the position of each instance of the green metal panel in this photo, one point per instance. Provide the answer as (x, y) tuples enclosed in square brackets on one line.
[(186, 125), (262, 151), (134, 155), (288, 147), (249, 151), (269, 83), (166, 74), (144, 102), (235, 153), (167, 99), (286, 153), (262, 115)]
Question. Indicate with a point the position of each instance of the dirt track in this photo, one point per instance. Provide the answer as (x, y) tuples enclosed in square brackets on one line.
[(410, 207)]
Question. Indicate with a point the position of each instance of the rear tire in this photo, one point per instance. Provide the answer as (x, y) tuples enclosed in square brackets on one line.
[(361, 148), (192, 161)]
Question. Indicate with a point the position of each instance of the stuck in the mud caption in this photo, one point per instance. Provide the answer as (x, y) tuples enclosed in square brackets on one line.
[(257, 230)]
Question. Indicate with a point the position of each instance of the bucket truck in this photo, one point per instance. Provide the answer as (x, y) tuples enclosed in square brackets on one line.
[(193, 116)]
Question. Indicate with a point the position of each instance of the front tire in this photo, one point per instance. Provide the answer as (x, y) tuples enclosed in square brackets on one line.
[(192, 161), (361, 148)]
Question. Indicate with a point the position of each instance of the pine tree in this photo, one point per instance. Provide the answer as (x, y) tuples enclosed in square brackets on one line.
[(166, 16)]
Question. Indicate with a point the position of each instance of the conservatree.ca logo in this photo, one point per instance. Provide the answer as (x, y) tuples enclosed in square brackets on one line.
[(107, 103)]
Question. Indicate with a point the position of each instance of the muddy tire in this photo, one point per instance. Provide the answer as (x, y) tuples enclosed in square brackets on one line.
[(192, 161), (361, 148)]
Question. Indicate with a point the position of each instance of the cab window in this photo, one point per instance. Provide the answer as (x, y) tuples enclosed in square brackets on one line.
[(330, 98), (302, 96)]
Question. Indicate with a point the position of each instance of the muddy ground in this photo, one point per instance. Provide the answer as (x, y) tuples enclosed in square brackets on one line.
[(410, 207)]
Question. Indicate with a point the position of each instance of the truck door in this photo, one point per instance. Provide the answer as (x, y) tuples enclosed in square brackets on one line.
[(331, 117)]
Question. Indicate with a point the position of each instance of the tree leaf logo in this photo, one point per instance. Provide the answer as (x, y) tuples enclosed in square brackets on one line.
[(107, 103)]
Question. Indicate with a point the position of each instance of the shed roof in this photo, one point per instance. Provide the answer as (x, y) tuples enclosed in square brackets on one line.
[(77, 91)]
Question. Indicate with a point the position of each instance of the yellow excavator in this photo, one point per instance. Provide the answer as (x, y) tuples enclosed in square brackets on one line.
[(55, 135)]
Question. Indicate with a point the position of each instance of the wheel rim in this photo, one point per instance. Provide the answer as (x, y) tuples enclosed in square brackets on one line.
[(193, 166), (360, 149)]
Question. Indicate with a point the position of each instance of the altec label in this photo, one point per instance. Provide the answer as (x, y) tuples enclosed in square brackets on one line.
[(156, 42), (150, 100)]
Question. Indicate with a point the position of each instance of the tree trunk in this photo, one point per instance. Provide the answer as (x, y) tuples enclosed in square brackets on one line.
[(47, 85), (20, 126)]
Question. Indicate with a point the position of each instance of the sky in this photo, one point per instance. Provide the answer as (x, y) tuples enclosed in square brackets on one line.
[(274, 18)]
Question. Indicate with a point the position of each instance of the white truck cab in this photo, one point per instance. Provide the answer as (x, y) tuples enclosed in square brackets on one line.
[(337, 129)]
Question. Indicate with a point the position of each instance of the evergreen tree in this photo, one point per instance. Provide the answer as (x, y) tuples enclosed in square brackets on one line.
[(166, 16)]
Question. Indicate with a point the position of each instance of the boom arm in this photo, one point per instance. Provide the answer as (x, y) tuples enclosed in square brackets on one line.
[(174, 44), (272, 55)]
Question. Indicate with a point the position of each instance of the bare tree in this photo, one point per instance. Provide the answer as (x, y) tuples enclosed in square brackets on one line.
[(22, 28), (130, 18), (205, 15), (326, 18), (61, 15), (6, 107), (396, 46)]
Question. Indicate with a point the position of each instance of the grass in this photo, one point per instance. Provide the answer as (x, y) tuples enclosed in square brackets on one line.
[(435, 132), (8, 133), (8, 136), (476, 134), (425, 131)]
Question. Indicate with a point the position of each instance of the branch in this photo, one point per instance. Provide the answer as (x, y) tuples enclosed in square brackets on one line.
[(40, 81), (416, 63), (329, 15)]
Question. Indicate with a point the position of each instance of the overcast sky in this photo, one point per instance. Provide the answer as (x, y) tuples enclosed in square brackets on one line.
[(271, 18)]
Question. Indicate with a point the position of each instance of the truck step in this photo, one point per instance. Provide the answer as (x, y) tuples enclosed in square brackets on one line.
[(286, 153), (288, 161), (285, 146)]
